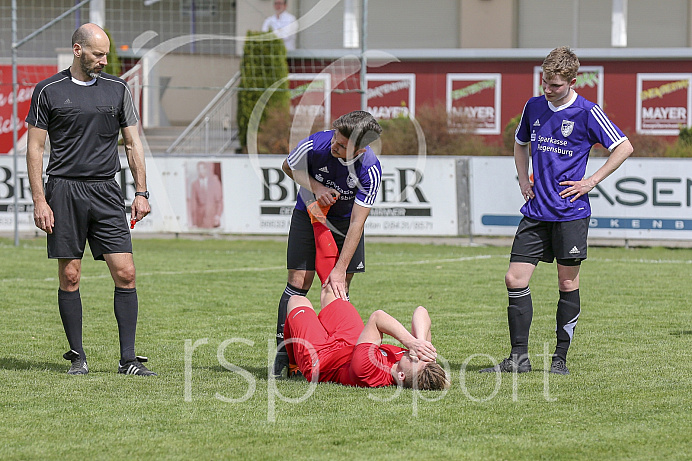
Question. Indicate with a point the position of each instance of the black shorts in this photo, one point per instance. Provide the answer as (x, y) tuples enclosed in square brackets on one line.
[(300, 254), (545, 241), (87, 210)]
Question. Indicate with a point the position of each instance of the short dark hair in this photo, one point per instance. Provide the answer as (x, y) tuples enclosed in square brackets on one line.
[(359, 126)]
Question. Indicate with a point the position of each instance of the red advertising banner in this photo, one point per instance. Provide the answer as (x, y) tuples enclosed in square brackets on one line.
[(27, 77), (311, 95), (391, 95), (589, 83), (473, 102), (664, 103)]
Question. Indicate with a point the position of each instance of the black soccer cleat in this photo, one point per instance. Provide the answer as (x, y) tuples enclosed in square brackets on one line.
[(508, 365), (559, 367), (79, 365), (294, 372), (135, 367), (280, 362)]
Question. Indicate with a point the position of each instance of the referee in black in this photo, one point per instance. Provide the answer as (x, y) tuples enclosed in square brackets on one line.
[(82, 109)]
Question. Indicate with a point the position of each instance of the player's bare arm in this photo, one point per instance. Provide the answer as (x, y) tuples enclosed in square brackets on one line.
[(337, 277), (381, 323), (135, 158), (421, 324), (521, 160), (43, 214), (325, 196), (576, 189)]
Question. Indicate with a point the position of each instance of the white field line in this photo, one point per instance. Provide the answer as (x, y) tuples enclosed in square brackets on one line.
[(252, 269), (399, 263)]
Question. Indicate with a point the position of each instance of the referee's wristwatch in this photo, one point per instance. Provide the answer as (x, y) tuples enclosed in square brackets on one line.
[(144, 194)]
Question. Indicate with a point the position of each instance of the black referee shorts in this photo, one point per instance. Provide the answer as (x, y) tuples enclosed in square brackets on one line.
[(545, 241), (92, 211), (300, 254)]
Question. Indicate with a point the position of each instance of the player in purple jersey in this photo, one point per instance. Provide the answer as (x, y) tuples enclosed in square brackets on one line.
[(339, 170), (561, 127)]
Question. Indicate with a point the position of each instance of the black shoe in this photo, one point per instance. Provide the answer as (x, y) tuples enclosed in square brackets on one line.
[(79, 365), (559, 367), (135, 367), (294, 372), (280, 362), (508, 365)]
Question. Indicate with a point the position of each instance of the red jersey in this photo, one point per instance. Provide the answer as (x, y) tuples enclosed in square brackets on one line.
[(371, 364)]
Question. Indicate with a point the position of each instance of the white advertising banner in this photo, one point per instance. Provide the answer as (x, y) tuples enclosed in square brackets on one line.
[(417, 197), (252, 195), (643, 199)]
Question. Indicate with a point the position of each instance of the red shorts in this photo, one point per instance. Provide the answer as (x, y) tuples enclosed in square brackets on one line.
[(322, 344)]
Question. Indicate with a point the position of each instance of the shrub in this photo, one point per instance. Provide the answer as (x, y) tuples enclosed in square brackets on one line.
[(274, 133), (400, 136), (508, 134), (114, 67), (264, 63), (683, 146), (644, 146)]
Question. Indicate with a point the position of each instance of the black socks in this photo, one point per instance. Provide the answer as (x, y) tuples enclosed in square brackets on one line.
[(70, 305), (289, 291), (519, 316), (568, 309), (125, 306)]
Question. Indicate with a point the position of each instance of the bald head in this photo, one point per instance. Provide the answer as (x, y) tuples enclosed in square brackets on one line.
[(90, 45), (87, 33)]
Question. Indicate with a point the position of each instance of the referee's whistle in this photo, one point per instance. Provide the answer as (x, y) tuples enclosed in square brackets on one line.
[(133, 221)]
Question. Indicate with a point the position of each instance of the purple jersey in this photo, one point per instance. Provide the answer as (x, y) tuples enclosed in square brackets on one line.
[(356, 180), (561, 139)]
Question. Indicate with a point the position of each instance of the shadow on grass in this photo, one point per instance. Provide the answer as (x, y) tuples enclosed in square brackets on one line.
[(456, 368), (258, 372), (11, 363), (681, 333), (261, 373)]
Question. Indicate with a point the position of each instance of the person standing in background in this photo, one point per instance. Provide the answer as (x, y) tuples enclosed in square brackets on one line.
[(283, 24)]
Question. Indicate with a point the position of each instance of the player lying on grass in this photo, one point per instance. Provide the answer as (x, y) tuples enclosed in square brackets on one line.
[(334, 346)]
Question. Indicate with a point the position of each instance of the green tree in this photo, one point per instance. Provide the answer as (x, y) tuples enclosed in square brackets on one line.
[(113, 67), (263, 64)]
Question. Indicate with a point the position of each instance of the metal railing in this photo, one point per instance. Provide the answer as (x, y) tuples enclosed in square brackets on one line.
[(213, 131)]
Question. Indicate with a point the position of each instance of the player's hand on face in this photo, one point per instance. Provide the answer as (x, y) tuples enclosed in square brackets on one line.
[(422, 350), (140, 208), (576, 189), (337, 282), (43, 217)]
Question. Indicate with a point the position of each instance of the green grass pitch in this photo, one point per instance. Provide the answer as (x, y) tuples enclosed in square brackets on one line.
[(207, 319)]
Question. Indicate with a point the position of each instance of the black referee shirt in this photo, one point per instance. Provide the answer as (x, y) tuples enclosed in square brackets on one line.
[(83, 120)]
